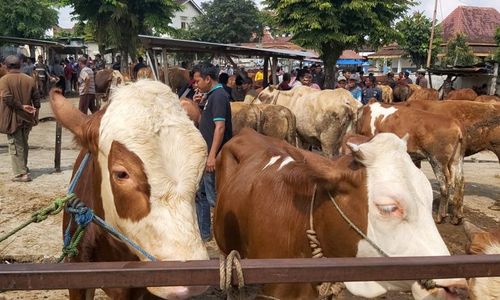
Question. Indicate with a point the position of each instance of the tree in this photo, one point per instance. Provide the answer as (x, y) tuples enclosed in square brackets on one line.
[(268, 19), (26, 18), (118, 22), (330, 27), (227, 21), (414, 36), (458, 52)]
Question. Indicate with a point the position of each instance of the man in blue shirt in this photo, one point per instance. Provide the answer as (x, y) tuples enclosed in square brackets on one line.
[(216, 129)]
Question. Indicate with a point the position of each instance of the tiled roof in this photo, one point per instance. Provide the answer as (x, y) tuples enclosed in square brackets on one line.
[(392, 50), (477, 23)]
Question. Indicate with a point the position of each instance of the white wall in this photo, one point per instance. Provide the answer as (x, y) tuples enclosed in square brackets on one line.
[(187, 15)]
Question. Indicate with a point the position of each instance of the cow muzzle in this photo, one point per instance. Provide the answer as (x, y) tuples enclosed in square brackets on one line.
[(177, 292), (449, 289)]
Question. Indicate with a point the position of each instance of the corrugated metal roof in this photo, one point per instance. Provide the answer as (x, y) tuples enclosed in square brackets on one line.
[(35, 42), (177, 45)]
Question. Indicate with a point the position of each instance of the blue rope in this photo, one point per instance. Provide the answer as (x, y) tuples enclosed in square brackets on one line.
[(78, 173), (82, 215)]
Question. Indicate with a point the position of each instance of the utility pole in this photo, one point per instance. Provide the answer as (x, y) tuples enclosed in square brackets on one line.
[(429, 53)]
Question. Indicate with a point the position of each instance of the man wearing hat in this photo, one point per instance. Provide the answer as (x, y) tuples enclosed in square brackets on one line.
[(19, 104), (341, 82), (352, 86)]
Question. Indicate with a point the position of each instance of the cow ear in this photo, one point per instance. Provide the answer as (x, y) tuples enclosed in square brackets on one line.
[(471, 230), (66, 114)]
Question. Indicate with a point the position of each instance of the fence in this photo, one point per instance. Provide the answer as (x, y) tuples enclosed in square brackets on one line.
[(256, 271)]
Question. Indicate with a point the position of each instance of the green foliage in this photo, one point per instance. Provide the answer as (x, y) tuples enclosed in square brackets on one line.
[(116, 23), (497, 39), (414, 37), (227, 21), (268, 19), (332, 26), (458, 52), (26, 18)]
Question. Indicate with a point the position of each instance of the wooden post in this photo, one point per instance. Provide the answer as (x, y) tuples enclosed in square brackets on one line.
[(150, 62), (274, 67), (429, 53), (493, 87), (57, 156), (266, 72), (165, 66), (430, 78)]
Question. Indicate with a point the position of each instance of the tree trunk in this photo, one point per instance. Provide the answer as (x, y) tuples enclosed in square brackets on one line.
[(124, 63), (330, 57)]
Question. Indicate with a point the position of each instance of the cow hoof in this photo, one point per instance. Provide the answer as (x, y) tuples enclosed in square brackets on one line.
[(456, 220)]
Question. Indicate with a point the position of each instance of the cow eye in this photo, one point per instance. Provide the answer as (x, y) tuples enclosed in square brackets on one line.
[(121, 175), (387, 209)]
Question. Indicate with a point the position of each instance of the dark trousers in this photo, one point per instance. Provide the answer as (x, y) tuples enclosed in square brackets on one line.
[(87, 102)]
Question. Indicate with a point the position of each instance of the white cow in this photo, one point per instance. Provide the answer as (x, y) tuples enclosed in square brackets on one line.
[(323, 117)]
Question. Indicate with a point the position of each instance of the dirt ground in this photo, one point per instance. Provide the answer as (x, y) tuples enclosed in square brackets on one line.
[(42, 242)]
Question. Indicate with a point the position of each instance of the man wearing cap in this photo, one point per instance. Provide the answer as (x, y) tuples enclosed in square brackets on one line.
[(421, 81), (352, 86), (86, 87), (19, 105), (341, 82)]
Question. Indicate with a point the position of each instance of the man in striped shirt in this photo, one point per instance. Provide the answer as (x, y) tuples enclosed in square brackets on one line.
[(86, 87)]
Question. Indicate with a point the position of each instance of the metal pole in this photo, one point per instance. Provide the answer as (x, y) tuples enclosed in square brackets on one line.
[(165, 66), (57, 156), (266, 72), (429, 53), (274, 67), (150, 62)]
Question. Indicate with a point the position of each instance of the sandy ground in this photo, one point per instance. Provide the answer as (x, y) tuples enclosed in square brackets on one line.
[(42, 242)]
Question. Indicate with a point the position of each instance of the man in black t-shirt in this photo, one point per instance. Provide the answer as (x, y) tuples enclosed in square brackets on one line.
[(216, 129)]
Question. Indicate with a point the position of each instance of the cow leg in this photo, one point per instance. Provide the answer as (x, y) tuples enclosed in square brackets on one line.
[(442, 180), (83, 294), (458, 192)]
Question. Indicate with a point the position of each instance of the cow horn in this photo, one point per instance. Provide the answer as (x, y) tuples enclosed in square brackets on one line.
[(471, 229), (406, 137), (70, 117)]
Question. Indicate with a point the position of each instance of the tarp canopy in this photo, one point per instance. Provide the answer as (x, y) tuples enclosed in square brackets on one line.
[(350, 62)]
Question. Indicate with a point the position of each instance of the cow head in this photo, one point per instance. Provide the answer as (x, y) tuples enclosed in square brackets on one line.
[(483, 242), (399, 213), (151, 158)]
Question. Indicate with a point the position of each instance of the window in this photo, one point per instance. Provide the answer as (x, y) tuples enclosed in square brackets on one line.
[(184, 25)]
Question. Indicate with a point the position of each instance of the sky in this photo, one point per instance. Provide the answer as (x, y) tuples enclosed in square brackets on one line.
[(445, 7)]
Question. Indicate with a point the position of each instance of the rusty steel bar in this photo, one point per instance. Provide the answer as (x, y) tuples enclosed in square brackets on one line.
[(256, 271)]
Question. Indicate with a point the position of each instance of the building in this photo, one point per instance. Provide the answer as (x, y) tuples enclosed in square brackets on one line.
[(477, 23), (182, 19)]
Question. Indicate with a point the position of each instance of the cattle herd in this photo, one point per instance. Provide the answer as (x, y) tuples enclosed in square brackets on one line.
[(147, 158)]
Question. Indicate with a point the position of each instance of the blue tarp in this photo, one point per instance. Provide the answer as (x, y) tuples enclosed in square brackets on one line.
[(350, 62)]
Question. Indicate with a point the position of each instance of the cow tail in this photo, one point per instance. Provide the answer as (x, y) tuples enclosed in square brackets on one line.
[(292, 129)]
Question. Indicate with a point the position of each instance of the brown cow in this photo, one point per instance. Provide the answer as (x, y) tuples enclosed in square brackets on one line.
[(267, 188), (431, 136), (146, 160), (489, 99), (483, 242), (462, 94), (481, 122), (424, 94), (401, 93), (271, 120)]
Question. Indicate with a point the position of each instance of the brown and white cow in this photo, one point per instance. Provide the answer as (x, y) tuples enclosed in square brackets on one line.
[(481, 122), (265, 187), (436, 138), (271, 120), (146, 161), (483, 242), (322, 116)]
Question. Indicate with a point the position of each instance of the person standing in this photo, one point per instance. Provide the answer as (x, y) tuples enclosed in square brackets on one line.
[(352, 86), (371, 91), (138, 66), (318, 77), (42, 75), (86, 87), (99, 62), (27, 66), (18, 114), (216, 129), (421, 80)]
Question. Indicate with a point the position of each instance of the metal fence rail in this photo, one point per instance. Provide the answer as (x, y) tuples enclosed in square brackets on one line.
[(256, 271)]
